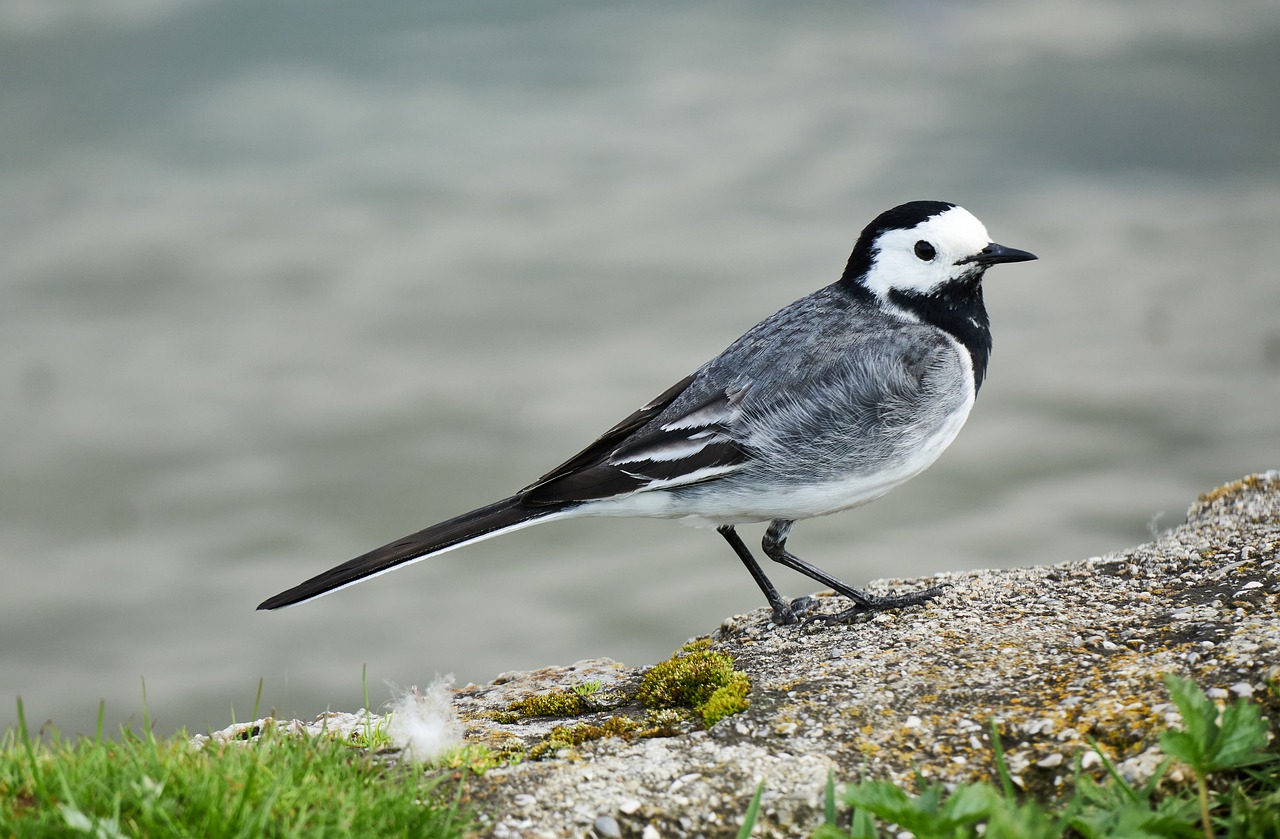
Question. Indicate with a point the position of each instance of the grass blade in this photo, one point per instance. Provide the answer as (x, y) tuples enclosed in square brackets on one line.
[(753, 812), (1002, 767), (829, 799)]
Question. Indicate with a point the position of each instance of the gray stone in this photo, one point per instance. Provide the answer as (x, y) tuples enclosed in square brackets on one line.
[(1054, 656)]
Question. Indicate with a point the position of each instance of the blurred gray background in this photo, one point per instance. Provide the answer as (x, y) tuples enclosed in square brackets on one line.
[(282, 281)]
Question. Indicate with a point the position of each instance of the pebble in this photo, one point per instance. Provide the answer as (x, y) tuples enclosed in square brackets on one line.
[(629, 807), (607, 827)]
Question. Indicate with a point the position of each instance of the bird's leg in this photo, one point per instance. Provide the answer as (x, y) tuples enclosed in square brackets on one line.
[(775, 547), (784, 612)]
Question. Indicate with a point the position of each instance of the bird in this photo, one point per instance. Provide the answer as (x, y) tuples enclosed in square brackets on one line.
[(825, 405)]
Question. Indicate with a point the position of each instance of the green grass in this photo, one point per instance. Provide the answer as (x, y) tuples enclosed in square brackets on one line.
[(135, 784), (1234, 792)]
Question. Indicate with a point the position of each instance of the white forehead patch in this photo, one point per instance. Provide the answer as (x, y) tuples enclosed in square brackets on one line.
[(953, 235)]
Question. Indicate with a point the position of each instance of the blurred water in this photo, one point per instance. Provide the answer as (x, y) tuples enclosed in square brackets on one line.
[(280, 282)]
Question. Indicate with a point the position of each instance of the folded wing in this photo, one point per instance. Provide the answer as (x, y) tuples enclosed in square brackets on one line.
[(695, 445)]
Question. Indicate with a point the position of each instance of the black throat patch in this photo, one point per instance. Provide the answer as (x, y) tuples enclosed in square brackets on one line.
[(957, 308)]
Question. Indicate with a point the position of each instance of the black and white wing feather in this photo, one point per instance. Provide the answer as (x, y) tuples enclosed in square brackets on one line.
[(691, 447)]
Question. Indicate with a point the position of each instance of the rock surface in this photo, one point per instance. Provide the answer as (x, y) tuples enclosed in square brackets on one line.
[(1055, 655)]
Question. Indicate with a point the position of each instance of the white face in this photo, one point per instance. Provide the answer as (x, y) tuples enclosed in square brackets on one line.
[(897, 260)]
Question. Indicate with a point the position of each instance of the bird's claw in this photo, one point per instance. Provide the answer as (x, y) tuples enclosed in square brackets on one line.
[(881, 604), (796, 611)]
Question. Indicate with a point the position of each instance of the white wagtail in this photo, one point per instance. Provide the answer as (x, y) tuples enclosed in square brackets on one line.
[(825, 405)]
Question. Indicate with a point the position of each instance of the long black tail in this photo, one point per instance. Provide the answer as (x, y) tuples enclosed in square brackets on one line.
[(496, 518)]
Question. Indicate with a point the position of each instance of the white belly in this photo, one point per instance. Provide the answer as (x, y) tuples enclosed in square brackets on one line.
[(728, 501)]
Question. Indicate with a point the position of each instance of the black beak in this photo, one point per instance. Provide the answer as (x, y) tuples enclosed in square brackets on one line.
[(994, 253)]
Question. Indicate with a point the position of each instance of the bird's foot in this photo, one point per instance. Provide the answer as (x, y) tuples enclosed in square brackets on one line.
[(795, 611), (873, 604)]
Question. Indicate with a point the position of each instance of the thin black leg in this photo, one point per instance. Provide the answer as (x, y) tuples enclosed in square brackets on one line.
[(775, 547), (783, 613)]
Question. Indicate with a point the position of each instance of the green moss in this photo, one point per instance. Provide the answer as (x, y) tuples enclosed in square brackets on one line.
[(664, 722), (475, 758), (728, 700), (620, 727), (545, 749), (686, 680), (697, 678), (563, 737), (565, 703), (694, 683), (569, 702)]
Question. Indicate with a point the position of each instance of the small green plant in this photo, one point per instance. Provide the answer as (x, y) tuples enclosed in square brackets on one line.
[(374, 736), (931, 813), (1230, 743), (1118, 808), (1207, 745)]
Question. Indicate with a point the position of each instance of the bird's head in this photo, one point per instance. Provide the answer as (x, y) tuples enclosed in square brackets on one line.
[(925, 249)]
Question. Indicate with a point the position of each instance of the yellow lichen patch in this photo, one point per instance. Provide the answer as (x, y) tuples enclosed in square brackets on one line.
[(1047, 720), (1250, 483)]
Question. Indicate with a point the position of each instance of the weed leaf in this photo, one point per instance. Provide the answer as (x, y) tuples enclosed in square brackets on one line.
[(1207, 745)]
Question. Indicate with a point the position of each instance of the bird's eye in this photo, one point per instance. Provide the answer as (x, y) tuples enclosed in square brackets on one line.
[(925, 251)]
